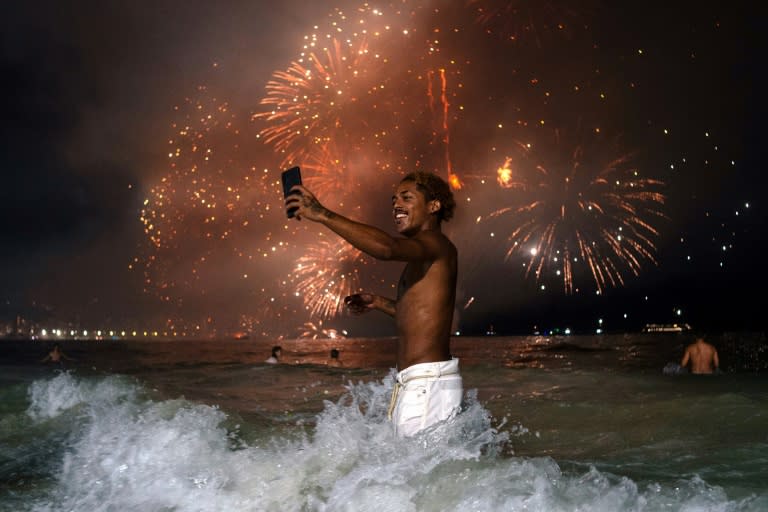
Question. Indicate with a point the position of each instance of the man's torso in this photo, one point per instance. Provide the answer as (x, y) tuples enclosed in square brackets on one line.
[(424, 311)]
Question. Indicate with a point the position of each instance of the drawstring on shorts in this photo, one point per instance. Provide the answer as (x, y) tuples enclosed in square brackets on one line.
[(393, 400), (397, 386)]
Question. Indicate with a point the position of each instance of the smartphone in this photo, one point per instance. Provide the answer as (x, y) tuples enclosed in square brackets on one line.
[(290, 178)]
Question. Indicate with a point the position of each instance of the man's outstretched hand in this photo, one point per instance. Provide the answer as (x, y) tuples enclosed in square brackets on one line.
[(359, 303)]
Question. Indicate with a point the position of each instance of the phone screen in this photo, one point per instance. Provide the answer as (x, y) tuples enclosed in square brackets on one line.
[(290, 178)]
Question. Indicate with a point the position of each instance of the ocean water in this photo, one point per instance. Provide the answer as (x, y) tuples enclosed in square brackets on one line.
[(548, 424)]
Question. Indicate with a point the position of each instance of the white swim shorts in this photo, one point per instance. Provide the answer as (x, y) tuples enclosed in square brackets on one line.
[(425, 394)]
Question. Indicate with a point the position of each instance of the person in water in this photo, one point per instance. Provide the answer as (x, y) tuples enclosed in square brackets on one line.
[(702, 357), (56, 355), (277, 351), (334, 360), (428, 387)]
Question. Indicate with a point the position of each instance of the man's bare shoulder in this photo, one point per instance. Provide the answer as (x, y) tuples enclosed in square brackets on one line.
[(436, 240), (441, 247)]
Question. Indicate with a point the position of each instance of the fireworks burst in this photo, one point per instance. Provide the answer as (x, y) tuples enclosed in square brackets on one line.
[(328, 272), (588, 208), (205, 205), (338, 101), (351, 104)]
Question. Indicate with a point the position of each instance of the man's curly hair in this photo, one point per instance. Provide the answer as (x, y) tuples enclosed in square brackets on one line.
[(434, 187)]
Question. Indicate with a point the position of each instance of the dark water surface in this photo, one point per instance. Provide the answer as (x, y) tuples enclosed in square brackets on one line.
[(564, 423)]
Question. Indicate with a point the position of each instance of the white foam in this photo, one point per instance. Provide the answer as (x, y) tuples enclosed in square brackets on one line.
[(50, 398), (131, 453)]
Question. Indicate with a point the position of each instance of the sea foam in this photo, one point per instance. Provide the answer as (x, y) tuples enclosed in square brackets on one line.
[(127, 451)]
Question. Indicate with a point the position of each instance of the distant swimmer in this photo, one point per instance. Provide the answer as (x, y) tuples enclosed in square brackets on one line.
[(56, 355), (428, 387), (277, 351), (335, 361), (702, 357)]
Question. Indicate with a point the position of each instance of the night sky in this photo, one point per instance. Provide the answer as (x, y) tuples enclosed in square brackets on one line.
[(96, 92)]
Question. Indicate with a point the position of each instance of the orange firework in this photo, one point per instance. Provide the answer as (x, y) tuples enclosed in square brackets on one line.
[(328, 272), (337, 114), (327, 175), (443, 130), (587, 208), (319, 102)]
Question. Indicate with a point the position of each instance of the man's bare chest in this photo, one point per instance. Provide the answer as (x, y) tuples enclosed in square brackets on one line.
[(412, 274)]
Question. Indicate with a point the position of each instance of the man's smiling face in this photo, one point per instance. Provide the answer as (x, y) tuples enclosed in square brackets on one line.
[(410, 209)]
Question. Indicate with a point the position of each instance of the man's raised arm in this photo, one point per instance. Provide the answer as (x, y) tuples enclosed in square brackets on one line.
[(371, 240)]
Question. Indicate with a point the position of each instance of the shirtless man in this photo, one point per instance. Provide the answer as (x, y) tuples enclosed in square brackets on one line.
[(702, 356), (56, 355), (428, 387)]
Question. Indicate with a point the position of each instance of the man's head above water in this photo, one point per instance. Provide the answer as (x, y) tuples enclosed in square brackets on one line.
[(434, 188)]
